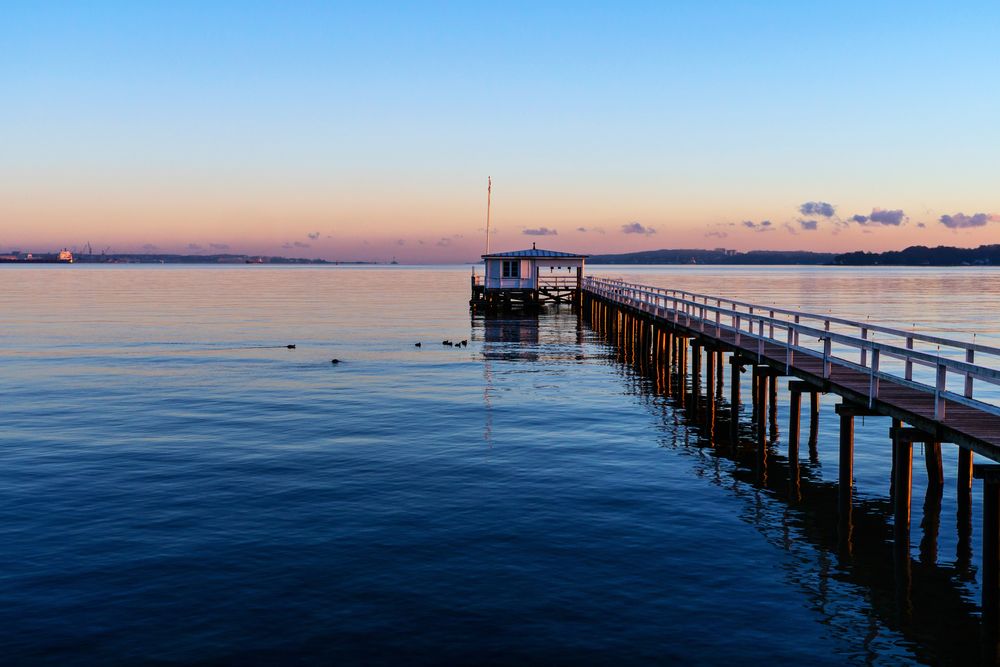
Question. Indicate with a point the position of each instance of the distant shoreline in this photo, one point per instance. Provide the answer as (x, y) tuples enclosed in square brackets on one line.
[(985, 255)]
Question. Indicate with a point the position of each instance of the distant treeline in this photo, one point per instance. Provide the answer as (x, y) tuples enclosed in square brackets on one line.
[(918, 255), (985, 255), (161, 258), (665, 256)]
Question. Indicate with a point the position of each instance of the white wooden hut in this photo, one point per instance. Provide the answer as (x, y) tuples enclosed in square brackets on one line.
[(529, 277)]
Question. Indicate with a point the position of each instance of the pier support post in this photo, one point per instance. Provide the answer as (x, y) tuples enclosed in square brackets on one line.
[(710, 393), (845, 487), (734, 397), (903, 487), (761, 424), (718, 373), (695, 373), (794, 412), (772, 402), (990, 474), (935, 469)]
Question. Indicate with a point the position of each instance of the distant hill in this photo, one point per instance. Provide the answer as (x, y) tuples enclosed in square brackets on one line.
[(918, 255), (695, 256)]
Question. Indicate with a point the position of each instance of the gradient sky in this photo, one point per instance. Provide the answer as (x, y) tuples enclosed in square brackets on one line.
[(367, 131)]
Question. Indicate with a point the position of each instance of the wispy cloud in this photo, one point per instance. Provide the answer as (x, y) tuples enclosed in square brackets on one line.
[(599, 230), (313, 235), (218, 246), (637, 228), (762, 226), (821, 208), (963, 221), (149, 247), (717, 234), (540, 231), (194, 246), (809, 225)]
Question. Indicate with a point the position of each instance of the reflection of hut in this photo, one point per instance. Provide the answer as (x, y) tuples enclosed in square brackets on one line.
[(528, 279)]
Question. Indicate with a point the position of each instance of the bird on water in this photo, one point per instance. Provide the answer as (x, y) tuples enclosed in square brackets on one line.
[(290, 347), (416, 345), (335, 361)]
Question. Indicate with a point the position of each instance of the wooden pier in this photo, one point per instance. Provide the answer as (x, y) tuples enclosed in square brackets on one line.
[(923, 384)]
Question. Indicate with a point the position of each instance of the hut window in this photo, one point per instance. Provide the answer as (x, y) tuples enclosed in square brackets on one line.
[(511, 268)]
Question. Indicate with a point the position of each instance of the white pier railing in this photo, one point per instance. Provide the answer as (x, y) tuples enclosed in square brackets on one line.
[(833, 339)]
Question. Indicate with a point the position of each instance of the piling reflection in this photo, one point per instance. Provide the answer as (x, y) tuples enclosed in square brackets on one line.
[(922, 600)]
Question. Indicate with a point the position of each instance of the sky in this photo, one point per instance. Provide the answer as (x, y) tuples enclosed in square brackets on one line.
[(367, 131)]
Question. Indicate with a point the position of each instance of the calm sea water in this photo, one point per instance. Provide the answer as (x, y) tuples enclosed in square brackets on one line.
[(176, 486)]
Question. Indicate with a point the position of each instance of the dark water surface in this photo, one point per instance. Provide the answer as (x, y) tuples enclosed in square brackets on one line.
[(178, 487)]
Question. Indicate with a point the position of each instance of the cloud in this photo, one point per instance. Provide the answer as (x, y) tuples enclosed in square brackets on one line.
[(963, 221), (300, 244), (717, 234), (885, 217), (194, 246), (817, 208), (762, 226), (218, 246), (313, 235), (149, 247), (444, 242), (599, 230), (400, 242), (637, 228), (921, 225), (809, 225), (540, 231), (860, 219)]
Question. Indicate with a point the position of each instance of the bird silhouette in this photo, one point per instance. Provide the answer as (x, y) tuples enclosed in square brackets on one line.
[(416, 345), (290, 347), (335, 361)]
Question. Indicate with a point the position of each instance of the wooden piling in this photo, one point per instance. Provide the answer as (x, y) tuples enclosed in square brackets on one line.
[(794, 410), (845, 487), (935, 469), (990, 474), (903, 486), (734, 398)]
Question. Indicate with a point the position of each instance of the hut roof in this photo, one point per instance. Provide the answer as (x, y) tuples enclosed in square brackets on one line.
[(535, 252)]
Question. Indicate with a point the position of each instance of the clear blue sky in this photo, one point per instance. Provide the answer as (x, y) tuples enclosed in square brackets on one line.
[(373, 128)]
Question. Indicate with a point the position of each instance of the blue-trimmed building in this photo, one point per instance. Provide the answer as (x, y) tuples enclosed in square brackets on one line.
[(528, 278)]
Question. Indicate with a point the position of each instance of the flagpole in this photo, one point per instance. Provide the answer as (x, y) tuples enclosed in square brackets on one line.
[(489, 191)]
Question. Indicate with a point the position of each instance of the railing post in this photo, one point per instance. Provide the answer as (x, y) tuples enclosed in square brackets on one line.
[(873, 381), (796, 332), (737, 325), (788, 351), (939, 388), (770, 330), (909, 363), (864, 350), (827, 344), (970, 357)]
